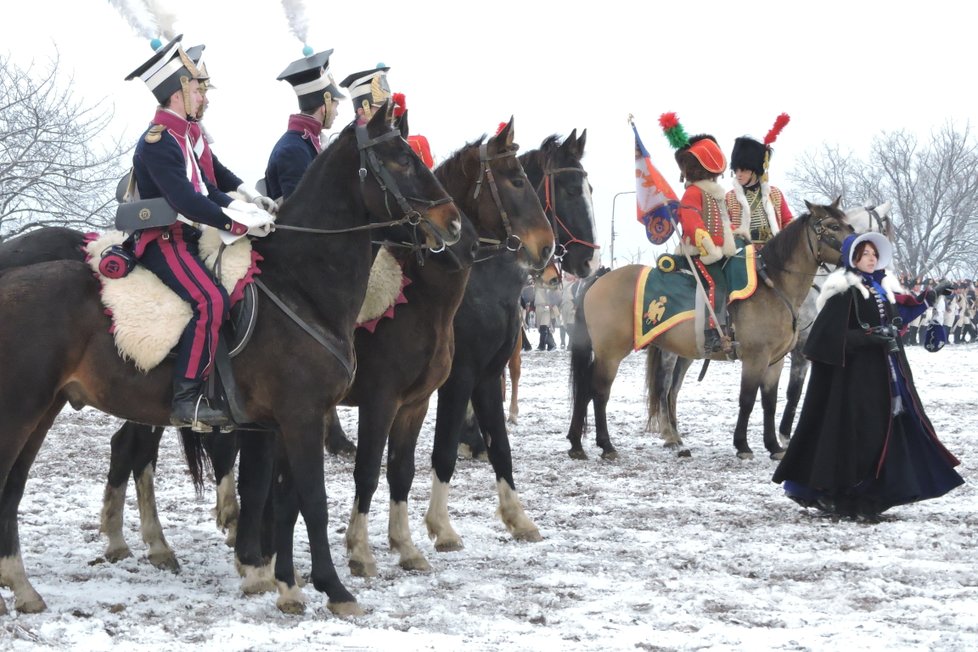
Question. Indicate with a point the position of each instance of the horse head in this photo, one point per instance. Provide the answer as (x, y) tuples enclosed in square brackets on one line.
[(396, 185), (492, 189), (562, 186), (871, 218), (829, 225)]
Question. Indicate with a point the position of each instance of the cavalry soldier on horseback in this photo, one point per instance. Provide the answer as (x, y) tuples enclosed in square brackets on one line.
[(706, 234), (224, 179), (368, 90), (164, 166), (758, 210), (319, 100)]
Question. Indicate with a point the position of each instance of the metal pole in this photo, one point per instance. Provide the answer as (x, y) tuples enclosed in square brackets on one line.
[(613, 204)]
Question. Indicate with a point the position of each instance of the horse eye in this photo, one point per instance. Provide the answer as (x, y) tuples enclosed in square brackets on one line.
[(404, 160), (517, 182)]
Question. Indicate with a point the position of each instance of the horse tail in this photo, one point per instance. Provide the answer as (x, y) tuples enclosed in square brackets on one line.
[(653, 385), (582, 352), (193, 451)]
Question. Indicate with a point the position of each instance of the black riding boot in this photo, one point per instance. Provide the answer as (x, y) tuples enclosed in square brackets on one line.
[(912, 336), (526, 341), (190, 408), (957, 335), (711, 341)]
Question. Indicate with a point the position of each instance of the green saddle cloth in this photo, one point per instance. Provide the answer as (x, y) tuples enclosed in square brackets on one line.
[(665, 295)]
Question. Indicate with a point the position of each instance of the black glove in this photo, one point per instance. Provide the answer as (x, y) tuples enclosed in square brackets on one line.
[(878, 336)]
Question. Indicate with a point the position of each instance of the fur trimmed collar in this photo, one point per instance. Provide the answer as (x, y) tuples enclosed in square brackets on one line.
[(841, 280), (772, 219)]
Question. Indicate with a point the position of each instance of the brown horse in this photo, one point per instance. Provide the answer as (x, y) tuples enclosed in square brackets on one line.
[(406, 359), (56, 346), (765, 326)]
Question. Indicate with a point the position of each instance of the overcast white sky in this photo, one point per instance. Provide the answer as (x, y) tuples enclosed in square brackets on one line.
[(842, 70)]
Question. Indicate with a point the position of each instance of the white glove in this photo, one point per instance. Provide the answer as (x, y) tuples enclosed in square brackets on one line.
[(252, 195), (259, 222)]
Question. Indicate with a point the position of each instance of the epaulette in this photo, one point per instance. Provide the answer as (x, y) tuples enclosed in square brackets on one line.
[(154, 133)]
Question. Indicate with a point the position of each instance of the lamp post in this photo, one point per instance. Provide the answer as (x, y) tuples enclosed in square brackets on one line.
[(614, 201)]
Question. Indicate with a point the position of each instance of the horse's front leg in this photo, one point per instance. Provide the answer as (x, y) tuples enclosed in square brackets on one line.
[(223, 451), (252, 554), (488, 405), (453, 399), (375, 416), (400, 476), (145, 453), (769, 402), (300, 488)]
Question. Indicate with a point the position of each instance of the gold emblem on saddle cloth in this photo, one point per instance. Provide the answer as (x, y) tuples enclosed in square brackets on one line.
[(154, 134), (656, 309)]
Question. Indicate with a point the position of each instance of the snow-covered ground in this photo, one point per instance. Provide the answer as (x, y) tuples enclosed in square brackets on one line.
[(651, 552)]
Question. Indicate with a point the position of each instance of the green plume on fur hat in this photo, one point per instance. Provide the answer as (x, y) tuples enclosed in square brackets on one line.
[(674, 131)]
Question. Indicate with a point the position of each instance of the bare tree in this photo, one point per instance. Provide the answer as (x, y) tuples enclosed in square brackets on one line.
[(59, 165), (933, 187)]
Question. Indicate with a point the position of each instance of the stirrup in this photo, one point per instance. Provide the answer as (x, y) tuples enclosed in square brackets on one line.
[(203, 427)]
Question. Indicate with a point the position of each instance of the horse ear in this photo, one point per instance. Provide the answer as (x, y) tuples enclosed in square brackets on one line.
[(505, 135), (885, 207), (381, 118), (811, 209), (835, 204), (580, 142), (401, 123)]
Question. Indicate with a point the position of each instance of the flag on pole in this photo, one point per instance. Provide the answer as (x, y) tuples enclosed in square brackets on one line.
[(655, 199)]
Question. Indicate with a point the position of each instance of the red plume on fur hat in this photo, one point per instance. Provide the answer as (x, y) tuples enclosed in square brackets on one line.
[(499, 129), (779, 124), (400, 104)]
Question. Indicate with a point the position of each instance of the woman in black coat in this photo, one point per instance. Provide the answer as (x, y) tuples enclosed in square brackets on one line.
[(863, 443)]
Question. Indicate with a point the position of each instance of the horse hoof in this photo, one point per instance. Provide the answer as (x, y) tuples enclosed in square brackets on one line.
[(449, 546), (672, 445), (345, 609), (777, 455), (291, 607), (33, 605), (531, 535), (577, 454), (118, 554), (610, 455), (165, 561), (418, 563), (342, 448), (363, 569), (745, 455), (683, 453), (232, 538)]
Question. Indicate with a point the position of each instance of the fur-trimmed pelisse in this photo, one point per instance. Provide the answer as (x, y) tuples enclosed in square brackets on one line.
[(841, 280)]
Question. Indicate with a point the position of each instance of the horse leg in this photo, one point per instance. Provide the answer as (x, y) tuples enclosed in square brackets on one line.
[(300, 488), (750, 379), (114, 497), (679, 372), (252, 558), (488, 407), (796, 379), (470, 442), (145, 449), (374, 424), (453, 398), (769, 402), (337, 443), (605, 371), (400, 477), (222, 448), (13, 479), (515, 362), (582, 370)]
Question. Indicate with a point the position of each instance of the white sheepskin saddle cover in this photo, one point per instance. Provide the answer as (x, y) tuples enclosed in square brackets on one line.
[(148, 317)]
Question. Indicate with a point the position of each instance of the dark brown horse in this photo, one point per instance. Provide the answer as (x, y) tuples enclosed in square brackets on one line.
[(406, 359), (56, 348), (765, 326), (486, 328)]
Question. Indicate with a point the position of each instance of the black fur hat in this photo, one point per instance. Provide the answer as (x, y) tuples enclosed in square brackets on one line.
[(748, 154)]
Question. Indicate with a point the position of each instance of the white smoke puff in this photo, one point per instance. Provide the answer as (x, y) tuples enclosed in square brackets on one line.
[(295, 13), (164, 18), (140, 23)]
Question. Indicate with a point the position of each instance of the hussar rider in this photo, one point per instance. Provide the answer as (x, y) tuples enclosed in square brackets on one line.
[(164, 166), (706, 234), (758, 210)]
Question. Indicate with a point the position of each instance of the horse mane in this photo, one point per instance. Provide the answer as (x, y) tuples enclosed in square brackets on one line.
[(533, 161), (779, 249), (455, 163)]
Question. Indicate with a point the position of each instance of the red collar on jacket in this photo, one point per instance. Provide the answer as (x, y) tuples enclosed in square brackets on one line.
[(308, 126)]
